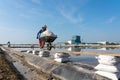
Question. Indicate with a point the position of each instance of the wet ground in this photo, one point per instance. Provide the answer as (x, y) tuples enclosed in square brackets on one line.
[(7, 70), (14, 67)]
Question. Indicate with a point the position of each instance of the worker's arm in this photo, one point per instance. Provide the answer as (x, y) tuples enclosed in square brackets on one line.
[(39, 33)]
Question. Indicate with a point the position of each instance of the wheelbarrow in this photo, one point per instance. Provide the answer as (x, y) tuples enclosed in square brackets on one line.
[(49, 40)]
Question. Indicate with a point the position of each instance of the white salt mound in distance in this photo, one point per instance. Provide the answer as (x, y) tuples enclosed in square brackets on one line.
[(62, 59), (61, 55), (44, 54), (33, 52)]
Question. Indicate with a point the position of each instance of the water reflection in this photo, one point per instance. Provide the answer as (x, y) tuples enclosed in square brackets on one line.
[(88, 59), (101, 48), (82, 58), (76, 49), (96, 49)]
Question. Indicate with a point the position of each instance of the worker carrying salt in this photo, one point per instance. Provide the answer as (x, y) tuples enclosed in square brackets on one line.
[(41, 42), (46, 36)]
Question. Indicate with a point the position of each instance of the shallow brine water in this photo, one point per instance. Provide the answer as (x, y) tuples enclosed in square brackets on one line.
[(88, 59)]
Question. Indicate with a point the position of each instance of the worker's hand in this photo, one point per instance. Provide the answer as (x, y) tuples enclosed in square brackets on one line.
[(37, 38)]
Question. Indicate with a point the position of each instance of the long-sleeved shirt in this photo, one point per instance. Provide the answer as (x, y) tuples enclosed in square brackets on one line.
[(38, 34)]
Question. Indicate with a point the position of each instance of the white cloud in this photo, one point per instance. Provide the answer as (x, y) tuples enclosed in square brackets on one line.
[(111, 20), (39, 12), (69, 14), (72, 11)]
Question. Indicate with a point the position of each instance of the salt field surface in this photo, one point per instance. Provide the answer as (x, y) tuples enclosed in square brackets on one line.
[(88, 59)]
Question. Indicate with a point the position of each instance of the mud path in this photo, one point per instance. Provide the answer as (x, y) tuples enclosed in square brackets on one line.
[(7, 70), (20, 69)]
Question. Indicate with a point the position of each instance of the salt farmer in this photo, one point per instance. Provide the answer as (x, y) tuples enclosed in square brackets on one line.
[(41, 42)]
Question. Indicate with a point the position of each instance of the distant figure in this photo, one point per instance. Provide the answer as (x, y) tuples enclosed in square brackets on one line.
[(8, 43), (41, 43), (32, 46)]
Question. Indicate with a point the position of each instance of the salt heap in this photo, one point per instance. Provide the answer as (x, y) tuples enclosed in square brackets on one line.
[(109, 66), (44, 54), (48, 33), (62, 57)]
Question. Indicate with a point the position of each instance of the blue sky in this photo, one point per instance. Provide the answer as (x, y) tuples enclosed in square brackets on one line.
[(93, 20)]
